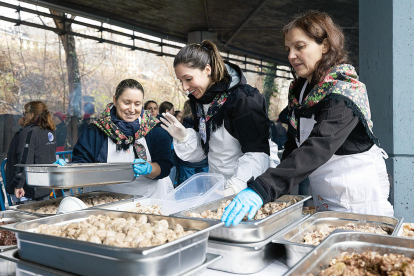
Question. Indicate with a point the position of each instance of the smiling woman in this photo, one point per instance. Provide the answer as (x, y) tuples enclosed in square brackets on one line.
[(125, 132), (231, 126), (330, 137)]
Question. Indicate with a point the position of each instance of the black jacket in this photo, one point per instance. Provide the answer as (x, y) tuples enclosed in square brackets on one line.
[(337, 131), (61, 134), (30, 145), (244, 114)]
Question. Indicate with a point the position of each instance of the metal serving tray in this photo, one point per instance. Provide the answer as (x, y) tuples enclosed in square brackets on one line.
[(86, 258), (12, 216), (25, 207), (127, 206), (25, 268), (357, 242), (245, 258), (254, 230), (292, 236), (75, 175)]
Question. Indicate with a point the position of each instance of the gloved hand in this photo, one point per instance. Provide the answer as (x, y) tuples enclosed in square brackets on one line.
[(173, 126), (61, 162), (141, 169), (247, 201)]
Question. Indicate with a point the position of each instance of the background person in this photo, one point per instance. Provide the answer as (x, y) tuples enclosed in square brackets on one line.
[(152, 107), (61, 130), (330, 137), (231, 126), (89, 110), (166, 107), (34, 143), (125, 132)]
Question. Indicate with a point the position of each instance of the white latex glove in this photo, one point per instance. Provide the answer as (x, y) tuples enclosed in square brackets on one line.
[(173, 127)]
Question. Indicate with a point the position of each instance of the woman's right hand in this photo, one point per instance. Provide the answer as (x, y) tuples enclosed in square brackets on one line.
[(19, 193), (61, 162), (173, 127)]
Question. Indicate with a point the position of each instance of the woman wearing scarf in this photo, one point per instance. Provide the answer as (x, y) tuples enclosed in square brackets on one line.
[(125, 132), (231, 126), (330, 138)]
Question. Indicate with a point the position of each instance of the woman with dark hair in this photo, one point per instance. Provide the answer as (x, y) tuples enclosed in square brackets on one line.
[(231, 126), (167, 107), (34, 143), (152, 107), (330, 138), (125, 132)]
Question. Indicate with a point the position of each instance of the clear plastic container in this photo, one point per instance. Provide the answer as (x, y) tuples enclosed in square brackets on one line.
[(197, 190)]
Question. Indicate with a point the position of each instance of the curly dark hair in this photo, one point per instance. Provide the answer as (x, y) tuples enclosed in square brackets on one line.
[(319, 26)]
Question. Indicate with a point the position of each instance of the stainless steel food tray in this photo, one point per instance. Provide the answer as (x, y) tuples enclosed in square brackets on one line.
[(358, 242), (76, 175), (127, 206), (292, 236), (245, 258), (254, 230), (25, 207), (25, 268), (172, 258), (12, 216)]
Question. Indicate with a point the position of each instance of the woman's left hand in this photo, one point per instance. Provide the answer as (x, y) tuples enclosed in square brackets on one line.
[(19, 193), (141, 169)]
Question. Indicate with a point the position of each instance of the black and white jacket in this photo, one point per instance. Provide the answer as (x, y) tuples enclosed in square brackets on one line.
[(239, 146)]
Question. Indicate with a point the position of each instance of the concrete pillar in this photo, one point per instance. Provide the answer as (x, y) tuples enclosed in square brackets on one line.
[(198, 36), (386, 57)]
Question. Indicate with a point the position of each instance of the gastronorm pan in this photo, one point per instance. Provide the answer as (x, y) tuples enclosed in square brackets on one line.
[(244, 258), (75, 175), (254, 230), (128, 206), (292, 236), (352, 242), (86, 258), (13, 217), (34, 205), (25, 268)]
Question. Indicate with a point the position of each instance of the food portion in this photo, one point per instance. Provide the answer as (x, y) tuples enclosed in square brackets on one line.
[(51, 209), (369, 263), (7, 237), (265, 211), (408, 230), (147, 209), (315, 237), (121, 232)]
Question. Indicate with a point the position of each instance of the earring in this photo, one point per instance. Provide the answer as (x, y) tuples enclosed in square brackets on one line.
[(208, 75)]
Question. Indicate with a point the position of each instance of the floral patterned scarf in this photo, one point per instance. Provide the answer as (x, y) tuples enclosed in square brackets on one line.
[(204, 126), (147, 123), (340, 83)]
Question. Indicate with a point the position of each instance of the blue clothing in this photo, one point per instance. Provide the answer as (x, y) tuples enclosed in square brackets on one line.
[(92, 147)]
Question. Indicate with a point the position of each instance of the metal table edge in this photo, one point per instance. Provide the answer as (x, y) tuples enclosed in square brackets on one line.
[(210, 259)]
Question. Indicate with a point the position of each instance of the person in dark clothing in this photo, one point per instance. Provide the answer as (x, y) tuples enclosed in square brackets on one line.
[(152, 107), (89, 110), (34, 143), (284, 116), (278, 134), (330, 138), (231, 126), (125, 132), (61, 130)]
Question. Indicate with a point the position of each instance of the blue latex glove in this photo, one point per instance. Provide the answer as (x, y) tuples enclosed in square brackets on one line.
[(61, 162), (141, 169), (247, 201)]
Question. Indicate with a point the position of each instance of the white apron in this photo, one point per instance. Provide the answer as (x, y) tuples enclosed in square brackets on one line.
[(140, 186), (355, 183)]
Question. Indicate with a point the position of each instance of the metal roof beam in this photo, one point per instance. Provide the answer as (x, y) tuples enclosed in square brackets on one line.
[(250, 16)]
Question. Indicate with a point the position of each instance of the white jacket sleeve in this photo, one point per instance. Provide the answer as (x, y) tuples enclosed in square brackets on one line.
[(190, 148), (250, 164)]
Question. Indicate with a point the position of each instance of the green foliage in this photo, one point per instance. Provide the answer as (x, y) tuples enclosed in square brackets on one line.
[(270, 88)]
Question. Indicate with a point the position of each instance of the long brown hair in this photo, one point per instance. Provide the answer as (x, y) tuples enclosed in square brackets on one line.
[(41, 115), (319, 26), (199, 55)]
